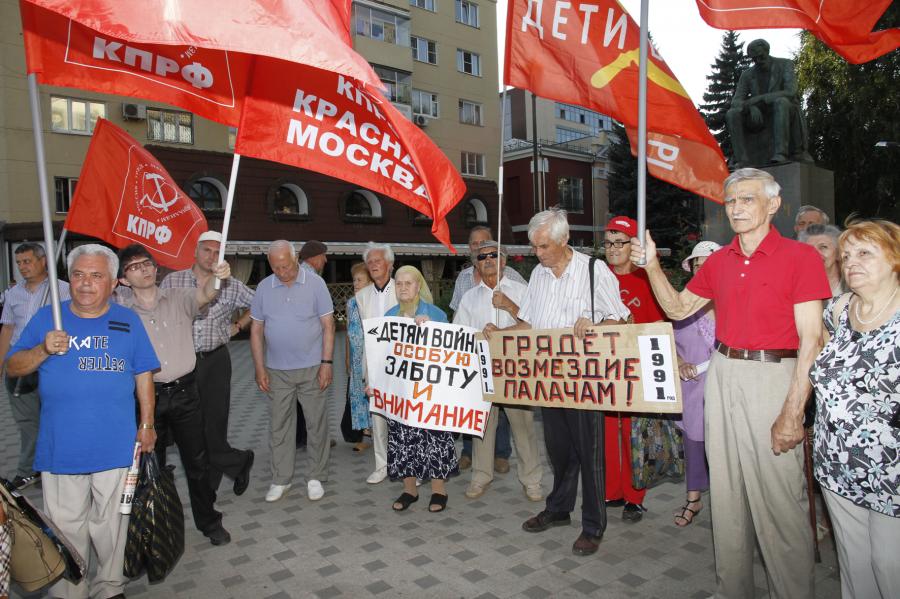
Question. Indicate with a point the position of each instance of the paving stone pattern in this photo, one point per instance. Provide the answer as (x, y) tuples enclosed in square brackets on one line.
[(350, 543)]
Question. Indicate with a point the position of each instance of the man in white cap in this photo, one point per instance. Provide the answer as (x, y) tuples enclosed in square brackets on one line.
[(213, 328)]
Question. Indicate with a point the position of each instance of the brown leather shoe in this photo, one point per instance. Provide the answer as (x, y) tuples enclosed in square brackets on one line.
[(465, 462), (586, 544), (545, 520), (501, 465)]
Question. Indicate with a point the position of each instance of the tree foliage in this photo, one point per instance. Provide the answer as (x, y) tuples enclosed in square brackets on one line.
[(849, 108), (723, 78)]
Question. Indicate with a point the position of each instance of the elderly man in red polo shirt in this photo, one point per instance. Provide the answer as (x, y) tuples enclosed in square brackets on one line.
[(768, 293)]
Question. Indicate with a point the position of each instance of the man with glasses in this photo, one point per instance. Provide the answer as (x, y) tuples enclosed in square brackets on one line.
[(168, 315), (489, 305), (634, 287)]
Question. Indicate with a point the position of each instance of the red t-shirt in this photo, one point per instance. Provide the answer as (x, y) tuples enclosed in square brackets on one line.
[(755, 296), (638, 296)]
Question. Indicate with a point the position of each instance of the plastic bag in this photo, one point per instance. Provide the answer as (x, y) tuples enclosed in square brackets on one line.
[(155, 539)]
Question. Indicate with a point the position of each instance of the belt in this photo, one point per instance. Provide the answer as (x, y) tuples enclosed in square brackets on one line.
[(175, 385), (757, 355), (206, 354)]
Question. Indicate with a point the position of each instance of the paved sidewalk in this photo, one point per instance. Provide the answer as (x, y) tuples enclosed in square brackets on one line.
[(350, 543)]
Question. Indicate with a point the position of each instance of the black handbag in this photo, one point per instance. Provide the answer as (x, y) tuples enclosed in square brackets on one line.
[(155, 538), (19, 385)]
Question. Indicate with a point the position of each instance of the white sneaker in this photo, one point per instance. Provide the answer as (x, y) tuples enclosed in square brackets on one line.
[(533, 493), (377, 476), (276, 492), (314, 490)]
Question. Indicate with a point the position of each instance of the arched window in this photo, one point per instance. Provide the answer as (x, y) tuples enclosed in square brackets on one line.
[(290, 199), (362, 205), (208, 193), (476, 213)]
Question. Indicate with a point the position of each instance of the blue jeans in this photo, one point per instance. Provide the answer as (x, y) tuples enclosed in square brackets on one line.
[(503, 447)]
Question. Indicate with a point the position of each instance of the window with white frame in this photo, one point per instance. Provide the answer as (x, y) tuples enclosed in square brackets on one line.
[(170, 126), (289, 199), (470, 113), (472, 164), (467, 13), (71, 115), (468, 62), (423, 50), (425, 103), (397, 84), (232, 137), (476, 213), (65, 191), (570, 193), (423, 4), (208, 193), (381, 25)]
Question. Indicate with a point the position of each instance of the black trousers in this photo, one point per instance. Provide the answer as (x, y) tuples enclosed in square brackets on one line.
[(213, 376), (178, 418), (574, 440)]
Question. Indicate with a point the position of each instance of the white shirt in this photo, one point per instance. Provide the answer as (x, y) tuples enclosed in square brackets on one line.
[(374, 303), (476, 310), (556, 303), (466, 280)]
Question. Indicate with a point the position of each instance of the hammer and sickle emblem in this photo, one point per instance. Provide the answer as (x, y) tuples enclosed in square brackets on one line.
[(604, 76), (158, 201)]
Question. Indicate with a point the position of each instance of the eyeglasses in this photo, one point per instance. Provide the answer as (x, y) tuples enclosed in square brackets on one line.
[(492, 256), (616, 244), (142, 265)]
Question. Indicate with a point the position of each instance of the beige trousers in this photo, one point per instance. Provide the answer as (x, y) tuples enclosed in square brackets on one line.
[(286, 387), (528, 465), (85, 508), (380, 441), (756, 496)]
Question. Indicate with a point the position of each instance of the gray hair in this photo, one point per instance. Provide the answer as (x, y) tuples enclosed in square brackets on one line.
[(31, 246), (95, 249), (478, 228), (378, 247), (812, 230), (811, 208), (555, 219), (281, 245), (770, 185)]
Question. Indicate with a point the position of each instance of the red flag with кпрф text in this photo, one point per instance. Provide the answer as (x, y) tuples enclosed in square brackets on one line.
[(586, 53), (325, 122), (845, 26), (125, 196)]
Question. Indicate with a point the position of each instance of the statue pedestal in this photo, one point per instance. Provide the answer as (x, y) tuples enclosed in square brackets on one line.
[(801, 184)]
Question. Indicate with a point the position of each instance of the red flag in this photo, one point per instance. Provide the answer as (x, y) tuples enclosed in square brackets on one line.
[(843, 25), (331, 124), (124, 196), (587, 54), (314, 32), (210, 83)]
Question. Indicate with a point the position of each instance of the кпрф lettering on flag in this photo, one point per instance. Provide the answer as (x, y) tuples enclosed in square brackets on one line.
[(586, 53), (845, 26), (125, 196), (324, 122)]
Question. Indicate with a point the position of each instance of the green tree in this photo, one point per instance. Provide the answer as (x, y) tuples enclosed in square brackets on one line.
[(849, 108), (723, 78)]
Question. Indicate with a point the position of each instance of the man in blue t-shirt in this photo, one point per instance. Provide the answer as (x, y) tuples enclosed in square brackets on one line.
[(90, 373)]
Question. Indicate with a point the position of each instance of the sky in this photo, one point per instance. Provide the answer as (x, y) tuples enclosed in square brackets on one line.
[(684, 40)]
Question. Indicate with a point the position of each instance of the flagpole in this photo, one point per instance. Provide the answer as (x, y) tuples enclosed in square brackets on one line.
[(642, 128), (500, 192), (44, 192), (229, 200)]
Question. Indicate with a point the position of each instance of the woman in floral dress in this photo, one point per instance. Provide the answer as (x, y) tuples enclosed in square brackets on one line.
[(358, 402)]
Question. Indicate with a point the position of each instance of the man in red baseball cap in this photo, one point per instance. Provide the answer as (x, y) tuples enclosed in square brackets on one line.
[(638, 298)]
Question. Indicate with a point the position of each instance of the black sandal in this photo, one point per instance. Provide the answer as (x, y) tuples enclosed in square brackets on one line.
[(437, 500), (405, 501), (685, 510)]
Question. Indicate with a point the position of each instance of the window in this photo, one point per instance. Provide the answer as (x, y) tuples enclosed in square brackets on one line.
[(569, 192), (468, 62), (470, 113), (398, 84), (576, 114), (423, 50), (362, 205), (170, 126), (467, 13), (564, 134), (476, 213), (289, 200), (381, 25), (68, 115), (472, 164), (65, 191), (507, 118), (424, 4), (232, 137), (208, 193), (425, 103)]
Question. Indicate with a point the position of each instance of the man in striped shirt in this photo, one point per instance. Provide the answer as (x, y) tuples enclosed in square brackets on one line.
[(559, 296)]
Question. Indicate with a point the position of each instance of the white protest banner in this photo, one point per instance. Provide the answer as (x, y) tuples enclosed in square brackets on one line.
[(425, 375)]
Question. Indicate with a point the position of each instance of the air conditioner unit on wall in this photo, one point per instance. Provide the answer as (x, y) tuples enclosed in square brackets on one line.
[(420, 120), (134, 111)]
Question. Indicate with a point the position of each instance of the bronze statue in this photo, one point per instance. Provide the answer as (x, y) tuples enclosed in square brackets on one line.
[(765, 120)]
